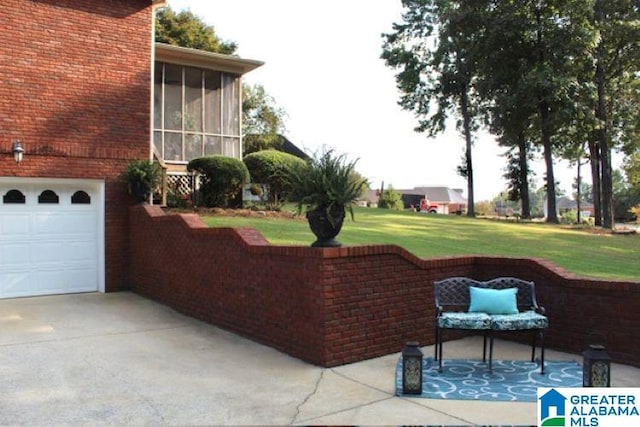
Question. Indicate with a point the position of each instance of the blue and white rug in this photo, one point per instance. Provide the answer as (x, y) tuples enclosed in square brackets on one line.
[(511, 380)]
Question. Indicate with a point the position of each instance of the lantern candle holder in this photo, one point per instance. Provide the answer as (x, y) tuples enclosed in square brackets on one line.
[(411, 368), (596, 367)]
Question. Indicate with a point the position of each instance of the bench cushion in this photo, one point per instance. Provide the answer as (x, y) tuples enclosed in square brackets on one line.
[(520, 321), (455, 320)]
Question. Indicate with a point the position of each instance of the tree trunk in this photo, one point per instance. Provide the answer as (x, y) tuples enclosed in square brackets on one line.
[(543, 111), (466, 120), (545, 127), (603, 132), (578, 194), (594, 159), (524, 177)]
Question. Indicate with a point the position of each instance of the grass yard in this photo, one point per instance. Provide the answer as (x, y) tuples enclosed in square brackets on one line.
[(579, 251)]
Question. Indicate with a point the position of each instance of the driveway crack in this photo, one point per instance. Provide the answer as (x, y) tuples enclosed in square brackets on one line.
[(309, 396)]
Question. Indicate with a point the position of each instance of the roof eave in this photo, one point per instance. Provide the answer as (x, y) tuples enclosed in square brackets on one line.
[(203, 59)]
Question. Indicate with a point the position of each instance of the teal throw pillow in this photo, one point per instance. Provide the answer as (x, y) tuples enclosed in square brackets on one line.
[(493, 301)]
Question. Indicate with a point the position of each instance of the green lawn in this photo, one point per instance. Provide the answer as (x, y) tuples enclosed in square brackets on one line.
[(579, 251)]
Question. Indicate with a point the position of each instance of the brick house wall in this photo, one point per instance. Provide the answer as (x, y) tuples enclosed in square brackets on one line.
[(341, 305), (75, 88)]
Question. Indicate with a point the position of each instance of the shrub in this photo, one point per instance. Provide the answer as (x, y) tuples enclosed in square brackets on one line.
[(141, 177), (270, 167), (390, 199), (222, 180), (569, 217), (175, 198)]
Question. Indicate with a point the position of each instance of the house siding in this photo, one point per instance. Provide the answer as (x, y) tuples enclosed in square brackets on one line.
[(75, 89)]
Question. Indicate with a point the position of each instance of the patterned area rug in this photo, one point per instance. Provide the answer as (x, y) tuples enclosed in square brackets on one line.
[(511, 380)]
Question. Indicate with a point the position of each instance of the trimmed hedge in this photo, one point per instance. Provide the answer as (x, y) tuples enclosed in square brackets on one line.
[(222, 180), (270, 167)]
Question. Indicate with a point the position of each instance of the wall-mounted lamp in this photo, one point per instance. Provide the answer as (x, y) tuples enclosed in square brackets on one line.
[(17, 150)]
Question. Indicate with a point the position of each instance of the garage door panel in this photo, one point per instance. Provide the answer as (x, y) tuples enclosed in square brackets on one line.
[(49, 281), (12, 255), (14, 284), (77, 280), (12, 225), (82, 223), (81, 251), (50, 248), (51, 224), (69, 223), (47, 252)]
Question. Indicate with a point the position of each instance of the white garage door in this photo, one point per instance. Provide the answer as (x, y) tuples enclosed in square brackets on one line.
[(51, 236)]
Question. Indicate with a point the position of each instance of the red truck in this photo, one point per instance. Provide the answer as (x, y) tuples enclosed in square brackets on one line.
[(427, 207)]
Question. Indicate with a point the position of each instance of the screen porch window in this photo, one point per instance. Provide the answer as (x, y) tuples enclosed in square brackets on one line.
[(196, 113)]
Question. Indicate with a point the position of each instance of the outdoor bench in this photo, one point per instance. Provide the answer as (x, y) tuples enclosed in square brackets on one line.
[(501, 304)]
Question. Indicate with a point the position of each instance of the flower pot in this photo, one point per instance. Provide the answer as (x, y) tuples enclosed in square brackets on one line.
[(140, 191), (326, 229)]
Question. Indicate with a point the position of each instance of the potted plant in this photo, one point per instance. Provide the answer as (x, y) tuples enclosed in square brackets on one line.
[(141, 177), (325, 188)]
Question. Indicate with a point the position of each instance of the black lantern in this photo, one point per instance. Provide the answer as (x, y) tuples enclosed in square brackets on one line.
[(411, 368), (596, 367)]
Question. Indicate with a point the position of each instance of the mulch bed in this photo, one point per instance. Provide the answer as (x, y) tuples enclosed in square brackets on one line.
[(248, 213)]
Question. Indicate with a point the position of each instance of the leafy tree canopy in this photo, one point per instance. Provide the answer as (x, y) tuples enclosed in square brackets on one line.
[(263, 120), (188, 30)]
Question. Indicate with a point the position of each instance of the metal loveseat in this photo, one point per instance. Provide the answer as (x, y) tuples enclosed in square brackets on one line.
[(501, 304)]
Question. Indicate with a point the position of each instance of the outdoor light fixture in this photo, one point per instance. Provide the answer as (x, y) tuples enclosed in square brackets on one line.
[(596, 367), (17, 150), (411, 368)]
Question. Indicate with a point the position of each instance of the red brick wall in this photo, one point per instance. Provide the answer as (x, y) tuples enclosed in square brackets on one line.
[(342, 305), (581, 311), (75, 88)]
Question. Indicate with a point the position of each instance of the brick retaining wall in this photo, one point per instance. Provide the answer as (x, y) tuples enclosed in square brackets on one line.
[(341, 305)]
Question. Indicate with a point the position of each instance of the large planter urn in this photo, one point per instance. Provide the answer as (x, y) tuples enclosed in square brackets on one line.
[(140, 191), (325, 229)]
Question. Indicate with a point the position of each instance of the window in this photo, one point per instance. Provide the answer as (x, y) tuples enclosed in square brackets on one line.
[(13, 196), (48, 196), (80, 198), (196, 112)]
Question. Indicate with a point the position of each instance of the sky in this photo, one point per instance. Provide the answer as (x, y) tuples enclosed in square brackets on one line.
[(323, 67)]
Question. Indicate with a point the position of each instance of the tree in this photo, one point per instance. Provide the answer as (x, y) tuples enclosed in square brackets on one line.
[(616, 69), (625, 197), (437, 75), (510, 111), (390, 199), (529, 62), (517, 174), (188, 30), (262, 120), (632, 169)]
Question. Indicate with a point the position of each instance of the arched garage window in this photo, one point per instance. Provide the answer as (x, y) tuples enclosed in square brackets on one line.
[(48, 196), (80, 198), (13, 196)]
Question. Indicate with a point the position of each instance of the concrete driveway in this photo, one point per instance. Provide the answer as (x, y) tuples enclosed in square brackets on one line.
[(122, 359)]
